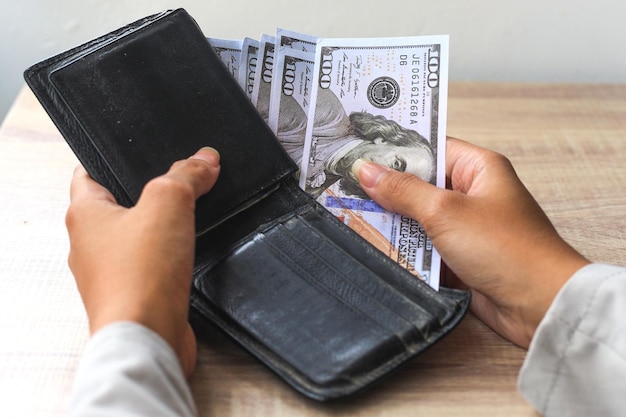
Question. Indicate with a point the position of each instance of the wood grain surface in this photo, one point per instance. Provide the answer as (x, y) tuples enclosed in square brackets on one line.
[(567, 142)]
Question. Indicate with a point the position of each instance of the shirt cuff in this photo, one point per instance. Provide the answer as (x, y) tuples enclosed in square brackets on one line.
[(127, 368), (572, 355)]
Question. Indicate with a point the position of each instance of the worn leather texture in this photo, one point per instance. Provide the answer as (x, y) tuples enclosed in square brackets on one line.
[(293, 285), (134, 101)]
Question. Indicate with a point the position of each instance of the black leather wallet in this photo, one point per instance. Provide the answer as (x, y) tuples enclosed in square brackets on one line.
[(293, 285)]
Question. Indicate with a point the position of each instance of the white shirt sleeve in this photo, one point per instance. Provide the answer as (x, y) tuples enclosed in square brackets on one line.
[(127, 369), (576, 364)]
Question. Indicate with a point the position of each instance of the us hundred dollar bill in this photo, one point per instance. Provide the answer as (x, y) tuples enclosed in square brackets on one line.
[(383, 100), (291, 96), (286, 42), (294, 56), (248, 65), (262, 85), (229, 51)]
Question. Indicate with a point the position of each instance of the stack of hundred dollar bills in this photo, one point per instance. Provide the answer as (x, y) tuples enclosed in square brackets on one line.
[(332, 101)]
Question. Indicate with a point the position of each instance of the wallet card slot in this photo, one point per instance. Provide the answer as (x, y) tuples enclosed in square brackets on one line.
[(324, 264), (418, 292)]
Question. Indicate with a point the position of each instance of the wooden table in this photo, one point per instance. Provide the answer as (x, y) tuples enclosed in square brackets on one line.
[(569, 146)]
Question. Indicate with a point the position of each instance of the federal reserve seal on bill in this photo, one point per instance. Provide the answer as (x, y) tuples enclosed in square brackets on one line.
[(383, 92)]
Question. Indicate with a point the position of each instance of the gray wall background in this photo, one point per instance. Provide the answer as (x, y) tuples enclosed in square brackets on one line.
[(491, 40)]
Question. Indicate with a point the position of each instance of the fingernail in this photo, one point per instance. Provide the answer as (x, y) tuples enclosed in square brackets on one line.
[(367, 172), (208, 154)]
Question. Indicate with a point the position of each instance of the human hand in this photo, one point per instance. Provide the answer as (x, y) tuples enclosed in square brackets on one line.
[(136, 264), (490, 232)]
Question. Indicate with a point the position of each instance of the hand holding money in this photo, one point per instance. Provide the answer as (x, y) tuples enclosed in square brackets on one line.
[(481, 229)]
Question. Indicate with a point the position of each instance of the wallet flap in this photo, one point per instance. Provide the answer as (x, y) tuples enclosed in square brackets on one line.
[(158, 93)]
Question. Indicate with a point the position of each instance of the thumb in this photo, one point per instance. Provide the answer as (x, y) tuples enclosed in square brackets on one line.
[(399, 192), (185, 181)]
